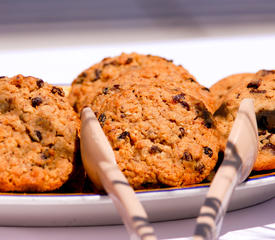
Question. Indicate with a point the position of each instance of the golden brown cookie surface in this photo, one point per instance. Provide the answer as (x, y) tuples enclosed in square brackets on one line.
[(260, 87), (222, 87), (160, 134), (90, 82), (38, 133)]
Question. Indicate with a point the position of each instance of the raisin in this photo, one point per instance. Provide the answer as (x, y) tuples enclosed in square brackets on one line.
[(257, 91), (185, 105), (260, 133), (129, 60), (182, 132), (38, 134), (124, 135), (254, 84), (269, 146), (46, 154), (39, 83), (34, 137), (2, 76), (191, 79), (200, 168), (115, 87), (178, 98), (155, 149), (57, 90), (208, 124), (36, 101), (102, 119), (97, 75), (123, 115), (105, 91), (206, 89), (83, 75), (208, 151), (75, 107), (238, 95), (187, 156)]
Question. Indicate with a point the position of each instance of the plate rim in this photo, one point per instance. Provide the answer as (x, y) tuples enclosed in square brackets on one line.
[(90, 198)]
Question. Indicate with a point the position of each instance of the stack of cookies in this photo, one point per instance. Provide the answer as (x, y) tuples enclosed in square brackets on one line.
[(165, 128), (157, 117)]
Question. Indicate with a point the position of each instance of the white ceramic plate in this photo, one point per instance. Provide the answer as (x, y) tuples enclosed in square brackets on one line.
[(61, 65), (81, 209)]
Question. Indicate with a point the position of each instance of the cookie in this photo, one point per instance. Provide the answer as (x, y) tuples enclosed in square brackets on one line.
[(260, 87), (90, 82), (158, 76), (66, 90), (38, 135), (222, 87), (160, 134)]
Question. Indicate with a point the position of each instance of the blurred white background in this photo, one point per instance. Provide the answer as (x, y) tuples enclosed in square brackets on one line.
[(56, 40)]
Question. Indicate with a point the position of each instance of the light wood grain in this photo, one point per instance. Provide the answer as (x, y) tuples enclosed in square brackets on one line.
[(240, 154), (99, 162)]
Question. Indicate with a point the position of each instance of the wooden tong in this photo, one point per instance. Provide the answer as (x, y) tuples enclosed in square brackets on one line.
[(100, 164), (240, 155)]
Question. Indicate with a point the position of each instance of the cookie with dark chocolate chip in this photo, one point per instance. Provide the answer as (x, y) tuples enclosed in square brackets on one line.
[(38, 135), (261, 88), (91, 82), (157, 140)]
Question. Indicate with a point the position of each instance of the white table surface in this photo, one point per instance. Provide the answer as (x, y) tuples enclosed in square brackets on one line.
[(257, 222), (209, 43)]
